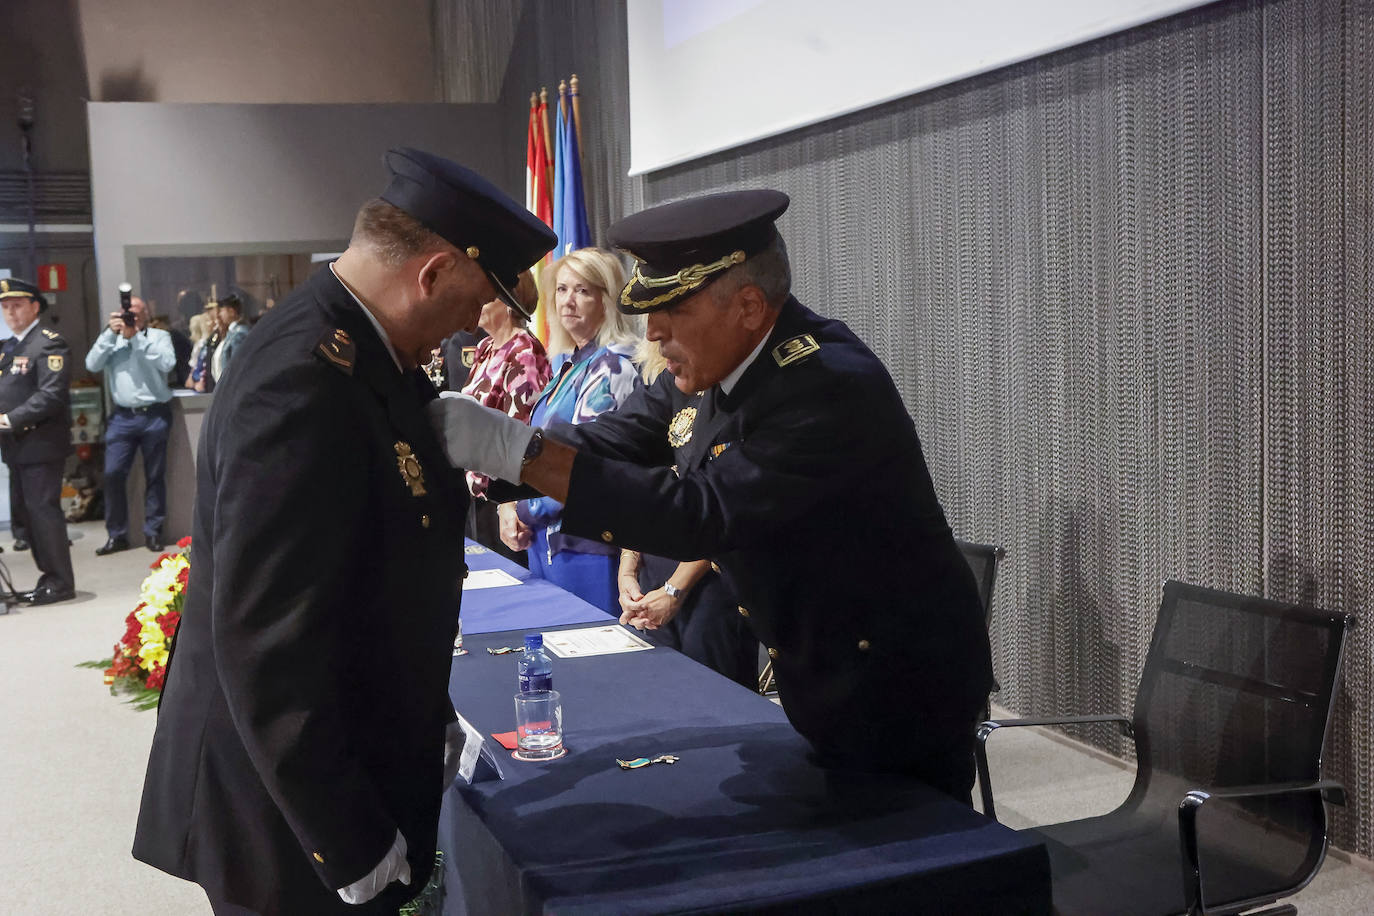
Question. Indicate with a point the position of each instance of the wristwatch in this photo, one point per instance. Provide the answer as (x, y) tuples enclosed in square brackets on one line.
[(671, 590), (534, 449)]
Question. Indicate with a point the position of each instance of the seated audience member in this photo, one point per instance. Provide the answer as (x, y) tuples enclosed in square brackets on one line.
[(685, 606), (508, 371), (232, 331), (595, 377)]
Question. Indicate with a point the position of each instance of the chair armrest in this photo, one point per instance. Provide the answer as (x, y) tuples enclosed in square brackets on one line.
[(1331, 791), (985, 729)]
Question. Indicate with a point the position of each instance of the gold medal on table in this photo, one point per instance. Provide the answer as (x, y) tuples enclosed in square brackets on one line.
[(409, 467), (680, 429)]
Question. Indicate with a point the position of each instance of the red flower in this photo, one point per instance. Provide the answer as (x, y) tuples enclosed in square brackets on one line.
[(131, 630), (156, 677), (158, 562), (184, 577), (169, 621), (184, 542)]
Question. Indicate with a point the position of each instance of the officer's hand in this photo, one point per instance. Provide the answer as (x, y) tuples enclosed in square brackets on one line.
[(515, 534), (393, 867), (479, 438)]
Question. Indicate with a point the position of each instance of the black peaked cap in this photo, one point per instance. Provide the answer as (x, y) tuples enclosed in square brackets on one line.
[(684, 246), (464, 208)]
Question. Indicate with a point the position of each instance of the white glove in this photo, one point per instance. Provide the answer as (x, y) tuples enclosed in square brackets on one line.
[(479, 438), (454, 739), (393, 867)]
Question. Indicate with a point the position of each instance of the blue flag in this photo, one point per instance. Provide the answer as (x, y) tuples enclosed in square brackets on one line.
[(569, 203)]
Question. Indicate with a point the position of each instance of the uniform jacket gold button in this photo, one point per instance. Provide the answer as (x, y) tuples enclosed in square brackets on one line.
[(743, 611), (607, 536), (319, 858), (772, 653), (863, 645), (424, 521)]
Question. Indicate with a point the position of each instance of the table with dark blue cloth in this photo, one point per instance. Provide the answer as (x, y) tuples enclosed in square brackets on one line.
[(743, 822), (533, 603)]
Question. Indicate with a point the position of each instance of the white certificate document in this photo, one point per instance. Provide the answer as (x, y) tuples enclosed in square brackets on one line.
[(606, 640), (488, 578)]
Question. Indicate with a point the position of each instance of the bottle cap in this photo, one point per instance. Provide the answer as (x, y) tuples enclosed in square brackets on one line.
[(534, 641)]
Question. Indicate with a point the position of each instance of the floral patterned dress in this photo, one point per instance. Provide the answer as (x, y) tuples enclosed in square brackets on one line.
[(508, 378)]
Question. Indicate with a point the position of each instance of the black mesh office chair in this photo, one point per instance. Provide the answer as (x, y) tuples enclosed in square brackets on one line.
[(1227, 811), (983, 560)]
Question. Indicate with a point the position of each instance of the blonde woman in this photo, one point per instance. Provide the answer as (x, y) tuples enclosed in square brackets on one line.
[(597, 376)]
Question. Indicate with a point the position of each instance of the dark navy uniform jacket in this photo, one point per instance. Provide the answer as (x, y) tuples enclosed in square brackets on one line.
[(34, 391), (306, 701), (790, 484)]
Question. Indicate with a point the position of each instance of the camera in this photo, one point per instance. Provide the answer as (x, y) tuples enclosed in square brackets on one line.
[(126, 302)]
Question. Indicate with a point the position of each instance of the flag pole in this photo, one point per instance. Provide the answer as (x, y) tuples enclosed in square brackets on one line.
[(576, 111), (548, 137)]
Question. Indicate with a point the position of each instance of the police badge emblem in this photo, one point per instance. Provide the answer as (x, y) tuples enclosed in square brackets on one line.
[(409, 466), (55, 364), (680, 429)]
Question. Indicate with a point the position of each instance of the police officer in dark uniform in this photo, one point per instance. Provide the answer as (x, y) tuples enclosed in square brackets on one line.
[(36, 434), (300, 752), (799, 457)]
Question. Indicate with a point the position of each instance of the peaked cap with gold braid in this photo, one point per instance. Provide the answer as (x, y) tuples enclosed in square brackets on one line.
[(684, 246), (12, 288)]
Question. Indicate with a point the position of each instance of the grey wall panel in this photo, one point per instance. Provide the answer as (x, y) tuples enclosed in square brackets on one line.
[(1125, 292)]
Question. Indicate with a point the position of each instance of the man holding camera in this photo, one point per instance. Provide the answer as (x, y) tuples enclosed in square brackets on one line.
[(135, 359), (36, 433)]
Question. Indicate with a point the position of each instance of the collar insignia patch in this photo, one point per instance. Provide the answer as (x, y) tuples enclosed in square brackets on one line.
[(795, 349)]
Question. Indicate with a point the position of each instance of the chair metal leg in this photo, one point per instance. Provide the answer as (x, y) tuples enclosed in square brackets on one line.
[(766, 679)]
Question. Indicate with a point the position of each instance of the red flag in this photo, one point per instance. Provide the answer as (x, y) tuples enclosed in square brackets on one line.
[(537, 199)]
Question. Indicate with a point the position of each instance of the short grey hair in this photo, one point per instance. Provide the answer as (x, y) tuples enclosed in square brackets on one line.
[(768, 269)]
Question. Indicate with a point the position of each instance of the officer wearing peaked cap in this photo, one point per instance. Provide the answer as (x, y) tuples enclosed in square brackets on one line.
[(305, 730), (36, 434), (795, 459)]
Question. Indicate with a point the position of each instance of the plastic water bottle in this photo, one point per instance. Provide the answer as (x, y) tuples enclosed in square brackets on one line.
[(534, 666)]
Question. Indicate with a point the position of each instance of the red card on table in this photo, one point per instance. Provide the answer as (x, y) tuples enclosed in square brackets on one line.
[(507, 739)]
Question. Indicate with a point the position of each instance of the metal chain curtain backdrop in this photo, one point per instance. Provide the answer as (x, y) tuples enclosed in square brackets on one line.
[(1125, 292)]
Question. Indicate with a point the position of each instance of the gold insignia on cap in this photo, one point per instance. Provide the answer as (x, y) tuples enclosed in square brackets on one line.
[(409, 466), (794, 349), (4, 286), (54, 364), (685, 280), (473, 252), (680, 429)]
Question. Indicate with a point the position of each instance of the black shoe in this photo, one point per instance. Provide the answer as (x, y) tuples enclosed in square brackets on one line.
[(113, 545), (154, 543), (21, 544), (47, 594)]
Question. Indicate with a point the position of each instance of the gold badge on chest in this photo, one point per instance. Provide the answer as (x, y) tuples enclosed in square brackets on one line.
[(680, 429), (409, 467)]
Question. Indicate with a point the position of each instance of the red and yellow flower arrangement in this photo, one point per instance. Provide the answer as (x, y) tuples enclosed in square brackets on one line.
[(139, 665)]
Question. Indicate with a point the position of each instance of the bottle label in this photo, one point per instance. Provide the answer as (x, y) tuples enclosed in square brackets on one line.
[(530, 682)]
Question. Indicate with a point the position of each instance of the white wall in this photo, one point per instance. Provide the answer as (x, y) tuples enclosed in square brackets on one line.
[(227, 178)]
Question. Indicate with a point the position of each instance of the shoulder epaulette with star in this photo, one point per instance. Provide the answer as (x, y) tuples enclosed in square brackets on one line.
[(51, 334), (795, 349), (337, 349)]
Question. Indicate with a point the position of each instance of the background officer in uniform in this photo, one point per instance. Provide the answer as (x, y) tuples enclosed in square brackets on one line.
[(299, 757), (799, 457), (36, 433)]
